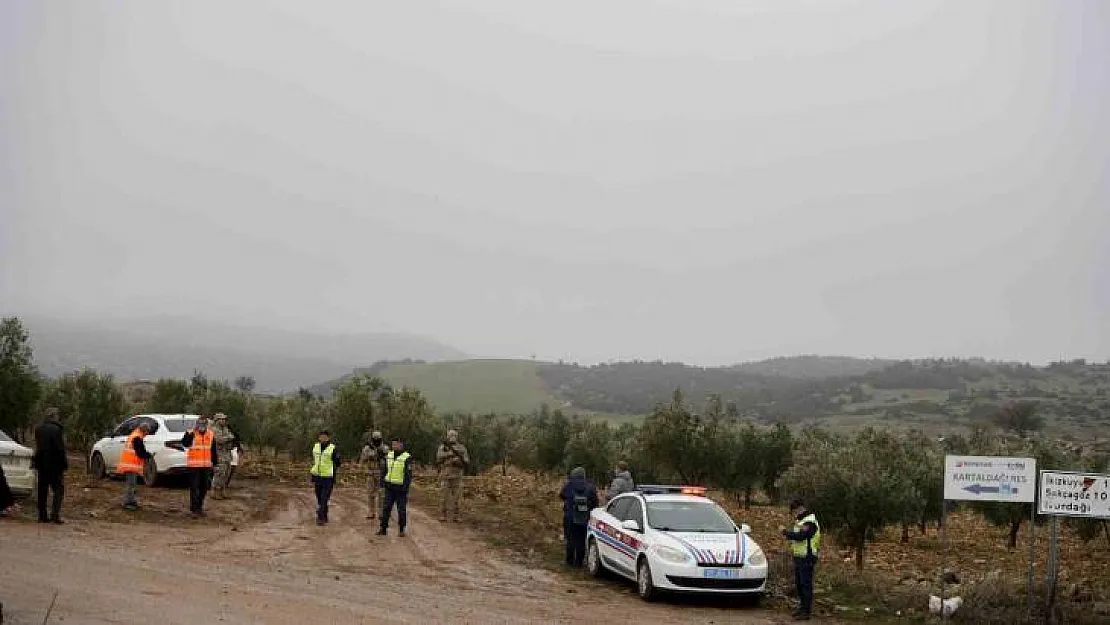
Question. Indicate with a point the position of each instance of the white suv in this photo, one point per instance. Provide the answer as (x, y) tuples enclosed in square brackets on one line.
[(163, 442), (674, 539)]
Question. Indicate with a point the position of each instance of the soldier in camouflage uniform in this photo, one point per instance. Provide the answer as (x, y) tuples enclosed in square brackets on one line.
[(453, 461), (224, 441), (374, 452)]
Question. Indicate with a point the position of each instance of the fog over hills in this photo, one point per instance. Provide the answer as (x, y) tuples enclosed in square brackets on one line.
[(154, 347)]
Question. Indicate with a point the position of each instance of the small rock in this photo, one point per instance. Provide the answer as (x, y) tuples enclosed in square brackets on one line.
[(571, 591), (980, 561)]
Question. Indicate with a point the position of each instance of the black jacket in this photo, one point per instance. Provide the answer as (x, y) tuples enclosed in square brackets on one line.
[(140, 449), (187, 442), (50, 448)]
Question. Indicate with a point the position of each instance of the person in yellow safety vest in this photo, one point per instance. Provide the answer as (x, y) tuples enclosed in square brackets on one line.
[(396, 480), (200, 457), (325, 464), (132, 463), (805, 543)]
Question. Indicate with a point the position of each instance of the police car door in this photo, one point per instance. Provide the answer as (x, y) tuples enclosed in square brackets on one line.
[(610, 544)]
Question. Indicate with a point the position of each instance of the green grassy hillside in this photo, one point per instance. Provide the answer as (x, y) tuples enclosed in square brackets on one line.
[(478, 386)]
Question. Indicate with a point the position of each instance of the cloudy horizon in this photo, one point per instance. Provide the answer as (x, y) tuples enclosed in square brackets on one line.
[(705, 182)]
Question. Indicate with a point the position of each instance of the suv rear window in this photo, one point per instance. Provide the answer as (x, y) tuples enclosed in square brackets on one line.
[(179, 424)]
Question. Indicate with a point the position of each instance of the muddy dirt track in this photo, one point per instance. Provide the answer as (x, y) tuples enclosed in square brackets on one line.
[(275, 565)]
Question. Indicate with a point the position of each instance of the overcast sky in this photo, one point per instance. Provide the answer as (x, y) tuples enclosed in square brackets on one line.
[(701, 180)]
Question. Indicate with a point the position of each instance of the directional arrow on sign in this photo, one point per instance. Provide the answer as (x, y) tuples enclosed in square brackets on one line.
[(979, 489)]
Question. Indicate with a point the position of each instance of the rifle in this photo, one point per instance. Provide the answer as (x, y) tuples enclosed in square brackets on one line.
[(451, 447)]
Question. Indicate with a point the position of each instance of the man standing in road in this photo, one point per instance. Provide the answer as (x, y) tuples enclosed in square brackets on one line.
[(374, 452), (396, 480), (805, 541), (325, 464), (200, 456), (453, 461), (224, 440), (51, 463), (579, 497), (132, 462)]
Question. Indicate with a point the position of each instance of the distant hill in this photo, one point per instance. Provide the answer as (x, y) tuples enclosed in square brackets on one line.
[(811, 367), (279, 360), (620, 388), (1074, 397)]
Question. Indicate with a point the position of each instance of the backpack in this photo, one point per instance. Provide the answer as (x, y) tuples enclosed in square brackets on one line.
[(580, 508)]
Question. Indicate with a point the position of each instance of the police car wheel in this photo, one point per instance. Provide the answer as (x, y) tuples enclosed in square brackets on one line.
[(593, 560), (644, 585)]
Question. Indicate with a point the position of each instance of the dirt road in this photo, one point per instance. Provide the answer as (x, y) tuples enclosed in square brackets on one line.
[(277, 566)]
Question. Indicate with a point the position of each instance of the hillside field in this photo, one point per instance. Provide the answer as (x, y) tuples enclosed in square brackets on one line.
[(476, 386)]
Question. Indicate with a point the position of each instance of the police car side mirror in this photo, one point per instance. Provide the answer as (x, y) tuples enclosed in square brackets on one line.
[(745, 528), (630, 525)]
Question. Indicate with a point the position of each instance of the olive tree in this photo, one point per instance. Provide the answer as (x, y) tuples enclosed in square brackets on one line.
[(856, 487), (1013, 515), (20, 385)]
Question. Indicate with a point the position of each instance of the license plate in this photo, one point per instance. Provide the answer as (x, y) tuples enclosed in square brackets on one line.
[(722, 573)]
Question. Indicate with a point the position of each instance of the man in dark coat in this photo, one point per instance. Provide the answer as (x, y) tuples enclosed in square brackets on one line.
[(51, 463), (579, 497)]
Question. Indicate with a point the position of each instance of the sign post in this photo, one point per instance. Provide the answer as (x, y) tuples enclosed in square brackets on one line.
[(989, 478), (1073, 494), (1067, 493)]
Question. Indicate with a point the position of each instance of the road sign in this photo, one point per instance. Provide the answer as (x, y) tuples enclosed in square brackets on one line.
[(1066, 493), (990, 478)]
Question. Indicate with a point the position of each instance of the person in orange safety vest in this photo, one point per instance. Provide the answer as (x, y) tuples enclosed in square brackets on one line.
[(200, 457), (132, 462)]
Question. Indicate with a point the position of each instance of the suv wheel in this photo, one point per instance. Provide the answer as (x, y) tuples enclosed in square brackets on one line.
[(97, 470), (150, 472)]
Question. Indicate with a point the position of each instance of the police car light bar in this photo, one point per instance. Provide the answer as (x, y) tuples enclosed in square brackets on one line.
[(661, 489)]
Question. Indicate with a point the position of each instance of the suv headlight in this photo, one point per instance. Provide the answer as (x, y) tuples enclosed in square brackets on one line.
[(670, 554), (756, 557)]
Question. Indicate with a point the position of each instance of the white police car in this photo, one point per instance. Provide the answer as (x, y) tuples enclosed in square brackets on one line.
[(675, 539)]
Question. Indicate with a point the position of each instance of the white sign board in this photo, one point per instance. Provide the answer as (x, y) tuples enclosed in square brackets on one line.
[(990, 478), (1064, 493)]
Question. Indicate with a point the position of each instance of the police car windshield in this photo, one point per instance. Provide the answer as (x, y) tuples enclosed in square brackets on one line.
[(180, 424), (688, 516)]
